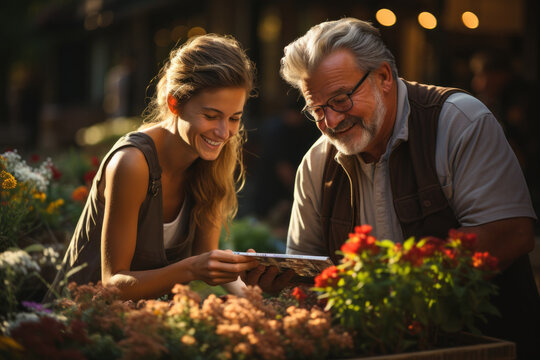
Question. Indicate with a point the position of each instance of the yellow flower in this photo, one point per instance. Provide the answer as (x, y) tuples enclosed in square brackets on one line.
[(7, 343), (40, 196), (54, 205), (8, 181)]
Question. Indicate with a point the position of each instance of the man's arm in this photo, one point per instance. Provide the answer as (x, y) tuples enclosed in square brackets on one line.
[(483, 180), (506, 239)]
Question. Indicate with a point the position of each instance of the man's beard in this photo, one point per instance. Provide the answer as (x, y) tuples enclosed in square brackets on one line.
[(347, 143)]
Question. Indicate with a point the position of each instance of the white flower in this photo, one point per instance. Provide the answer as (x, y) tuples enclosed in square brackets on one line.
[(38, 178), (20, 318), (49, 256), (19, 261)]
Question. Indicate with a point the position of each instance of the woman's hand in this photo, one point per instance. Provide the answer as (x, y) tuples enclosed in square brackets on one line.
[(218, 267)]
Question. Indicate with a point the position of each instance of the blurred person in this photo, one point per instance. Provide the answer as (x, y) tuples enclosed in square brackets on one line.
[(408, 159), (284, 139), (118, 88), (506, 95), (161, 195)]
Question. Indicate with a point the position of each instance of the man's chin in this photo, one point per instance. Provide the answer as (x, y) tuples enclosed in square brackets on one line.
[(346, 149)]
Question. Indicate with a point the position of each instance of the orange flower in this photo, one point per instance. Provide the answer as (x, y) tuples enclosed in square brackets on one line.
[(484, 261), (80, 194)]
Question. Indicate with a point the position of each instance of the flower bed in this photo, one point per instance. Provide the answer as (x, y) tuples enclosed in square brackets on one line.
[(94, 324), (381, 299)]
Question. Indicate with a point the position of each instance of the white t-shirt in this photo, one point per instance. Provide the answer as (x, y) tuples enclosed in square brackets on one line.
[(477, 170)]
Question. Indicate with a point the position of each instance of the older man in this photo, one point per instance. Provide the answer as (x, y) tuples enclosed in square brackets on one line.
[(408, 159)]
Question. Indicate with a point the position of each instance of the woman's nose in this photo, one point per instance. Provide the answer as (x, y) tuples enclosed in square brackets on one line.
[(222, 129)]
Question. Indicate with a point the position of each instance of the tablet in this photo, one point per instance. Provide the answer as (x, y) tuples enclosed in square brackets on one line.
[(306, 266)]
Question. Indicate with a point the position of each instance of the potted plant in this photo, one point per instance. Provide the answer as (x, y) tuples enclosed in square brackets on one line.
[(419, 295)]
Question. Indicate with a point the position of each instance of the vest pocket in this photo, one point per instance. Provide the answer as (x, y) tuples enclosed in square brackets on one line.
[(415, 207)]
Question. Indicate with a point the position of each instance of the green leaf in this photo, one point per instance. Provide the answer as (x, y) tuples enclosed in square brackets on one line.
[(408, 244), (34, 248), (75, 269)]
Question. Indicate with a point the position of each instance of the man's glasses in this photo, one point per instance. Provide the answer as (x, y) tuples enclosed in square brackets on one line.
[(339, 103)]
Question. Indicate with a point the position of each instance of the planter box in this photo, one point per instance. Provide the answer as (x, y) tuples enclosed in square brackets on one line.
[(472, 347)]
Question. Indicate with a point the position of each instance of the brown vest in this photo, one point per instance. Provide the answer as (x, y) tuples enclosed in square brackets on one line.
[(419, 202)]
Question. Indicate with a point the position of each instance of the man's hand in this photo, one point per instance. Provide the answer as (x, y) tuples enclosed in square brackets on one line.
[(268, 278)]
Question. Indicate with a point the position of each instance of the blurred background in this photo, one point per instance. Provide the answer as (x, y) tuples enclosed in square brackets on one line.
[(76, 74)]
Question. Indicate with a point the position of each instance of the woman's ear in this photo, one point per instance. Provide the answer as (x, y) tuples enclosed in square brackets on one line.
[(172, 102)]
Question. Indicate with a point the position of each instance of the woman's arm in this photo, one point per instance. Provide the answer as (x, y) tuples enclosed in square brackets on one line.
[(126, 184)]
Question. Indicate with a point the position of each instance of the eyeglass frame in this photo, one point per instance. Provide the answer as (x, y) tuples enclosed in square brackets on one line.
[(306, 110)]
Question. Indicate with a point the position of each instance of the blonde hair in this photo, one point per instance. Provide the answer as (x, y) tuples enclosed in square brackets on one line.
[(304, 54), (207, 62)]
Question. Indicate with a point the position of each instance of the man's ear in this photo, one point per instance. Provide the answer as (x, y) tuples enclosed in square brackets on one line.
[(385, 77), (172, 102)]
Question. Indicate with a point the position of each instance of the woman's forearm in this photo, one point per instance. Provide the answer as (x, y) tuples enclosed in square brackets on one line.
[(150, 284)]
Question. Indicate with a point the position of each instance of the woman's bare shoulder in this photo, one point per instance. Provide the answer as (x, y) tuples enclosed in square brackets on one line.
[(128, 169)]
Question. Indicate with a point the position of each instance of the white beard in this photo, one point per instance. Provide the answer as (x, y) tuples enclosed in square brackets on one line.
[(348, 144)]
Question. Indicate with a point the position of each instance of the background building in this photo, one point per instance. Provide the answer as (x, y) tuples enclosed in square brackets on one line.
[(67, 65)]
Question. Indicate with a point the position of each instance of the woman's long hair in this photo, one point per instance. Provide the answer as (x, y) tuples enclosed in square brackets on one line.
[(207, 62)]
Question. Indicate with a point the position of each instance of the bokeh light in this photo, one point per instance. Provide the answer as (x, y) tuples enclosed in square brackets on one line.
[(386, 17), (427, 20), (470, 20), (196, 31)]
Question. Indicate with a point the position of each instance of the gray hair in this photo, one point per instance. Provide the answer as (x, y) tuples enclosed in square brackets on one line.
[(304, 54)]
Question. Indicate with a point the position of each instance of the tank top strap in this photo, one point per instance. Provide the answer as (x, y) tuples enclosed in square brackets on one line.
[(148, 148)]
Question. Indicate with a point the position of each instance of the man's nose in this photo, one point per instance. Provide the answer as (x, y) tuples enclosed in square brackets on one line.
[(332, 118)]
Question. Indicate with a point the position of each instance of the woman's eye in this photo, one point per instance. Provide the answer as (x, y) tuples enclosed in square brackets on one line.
[(210, 117), (236, 119)]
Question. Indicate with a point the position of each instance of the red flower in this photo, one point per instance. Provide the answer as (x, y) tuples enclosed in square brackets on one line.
[(414, 327), (351, 247), (468, 240), (56, 174), (299, 294), (94, 161), (484, 261), (360, 240), (89, 176), (34, 158), (328, 277), (363, 229), (414, 255), (432, 245), (450, 257)]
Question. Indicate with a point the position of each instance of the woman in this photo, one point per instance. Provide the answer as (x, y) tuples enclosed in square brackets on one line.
[(157, 204)]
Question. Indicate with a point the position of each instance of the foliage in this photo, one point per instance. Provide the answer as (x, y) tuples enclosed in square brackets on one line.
[(248, 233), (403, 296), (94, 323), (22, 273), (35, 201)]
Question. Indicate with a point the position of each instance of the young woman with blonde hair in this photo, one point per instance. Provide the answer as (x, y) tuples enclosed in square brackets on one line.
[(158, 202)]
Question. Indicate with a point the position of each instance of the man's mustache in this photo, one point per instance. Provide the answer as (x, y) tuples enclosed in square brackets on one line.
[(347, 123)]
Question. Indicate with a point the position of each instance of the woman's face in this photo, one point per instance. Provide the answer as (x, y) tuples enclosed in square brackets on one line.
[(210, 118)]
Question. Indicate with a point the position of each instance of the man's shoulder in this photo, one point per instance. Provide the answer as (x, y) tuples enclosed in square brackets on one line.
[(462, 110)]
